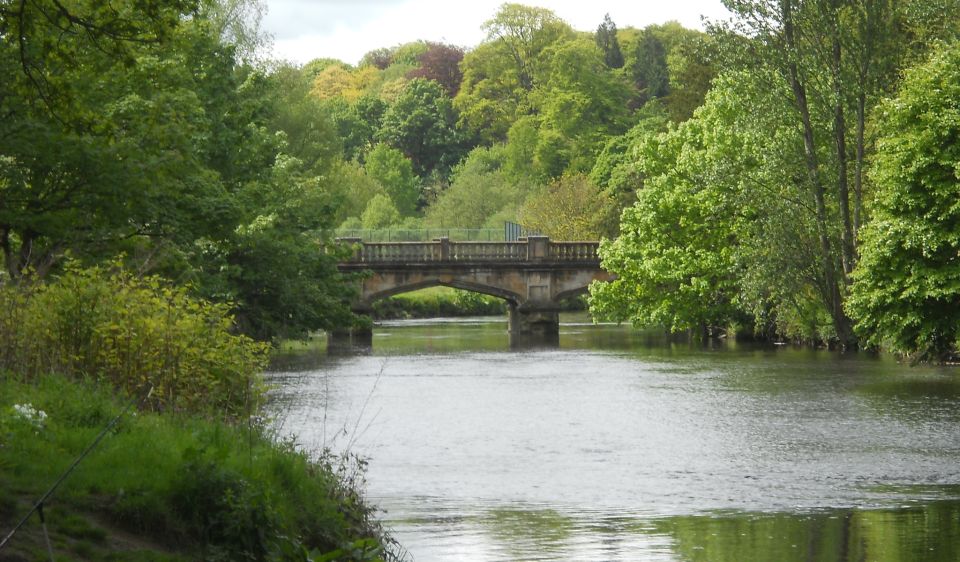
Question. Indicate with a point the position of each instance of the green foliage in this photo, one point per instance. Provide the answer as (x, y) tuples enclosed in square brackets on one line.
[(676, 258), (647, 65), (907, 283), (394, 172), (354, 189), (380, 213), (571, 208), (214, 490), (127, 331), (422, 124), (606, 39), (616, 169), (499, 74), (480, 190), (438, 302)]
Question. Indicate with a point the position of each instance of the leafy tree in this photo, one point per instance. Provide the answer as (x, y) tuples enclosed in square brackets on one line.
[(526, 33), (580, 104), (906, 293), (380, 213), (357, 123), (441, 63), (339, 80), (237, 23), (676, 255), (91, 152), (616, 169), (380, 58), (408, 53), (308, 130), (691, 71), (606, 38), (479, 193), (520, 149), (648, 67), (352, 188), (389, 167), (829, 57), (423, 125), (135, 128), (571, 208), (499, 73)]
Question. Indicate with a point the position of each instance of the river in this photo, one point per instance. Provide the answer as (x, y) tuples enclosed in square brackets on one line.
[(620, 445)]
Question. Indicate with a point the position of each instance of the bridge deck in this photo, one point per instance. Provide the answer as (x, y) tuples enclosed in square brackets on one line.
[(534, 250)]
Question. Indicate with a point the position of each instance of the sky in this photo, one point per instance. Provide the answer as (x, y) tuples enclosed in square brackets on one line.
[(303, 30)]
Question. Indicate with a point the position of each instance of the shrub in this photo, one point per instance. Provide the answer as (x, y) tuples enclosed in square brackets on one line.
[(127, 331)]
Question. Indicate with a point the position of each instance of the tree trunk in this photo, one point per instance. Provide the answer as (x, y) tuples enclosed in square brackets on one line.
[(833, 299), (840, 131)]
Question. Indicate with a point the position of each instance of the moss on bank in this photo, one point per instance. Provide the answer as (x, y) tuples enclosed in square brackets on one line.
[(170, 486)]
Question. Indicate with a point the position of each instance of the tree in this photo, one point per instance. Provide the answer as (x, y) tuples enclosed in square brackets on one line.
[(133, 128), (831, 57), (423, 125), (237, 23), (441, 63), (581, 104), (676, 256), (480, 193), (648, 67), (906, 293), (571, 208), (380, 58), (691, 71), (499, 74), (357, 123), (606, 38), (526, 33), (92, 151), (389, 167), (380, 213)]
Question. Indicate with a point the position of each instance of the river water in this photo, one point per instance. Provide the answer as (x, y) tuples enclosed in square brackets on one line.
[(619, 445)]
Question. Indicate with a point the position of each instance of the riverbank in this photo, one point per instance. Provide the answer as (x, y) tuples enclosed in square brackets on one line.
[(167, 486), (444, 302), (437, 302)]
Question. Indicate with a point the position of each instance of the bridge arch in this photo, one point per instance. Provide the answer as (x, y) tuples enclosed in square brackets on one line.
[(509, 296)]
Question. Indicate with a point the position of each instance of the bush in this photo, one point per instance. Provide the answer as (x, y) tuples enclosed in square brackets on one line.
[(127, 331)]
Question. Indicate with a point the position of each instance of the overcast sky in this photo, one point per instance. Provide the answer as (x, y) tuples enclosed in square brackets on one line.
[(346, 29)]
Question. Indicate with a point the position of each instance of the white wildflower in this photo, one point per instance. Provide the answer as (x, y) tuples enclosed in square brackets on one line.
[(29, 414)]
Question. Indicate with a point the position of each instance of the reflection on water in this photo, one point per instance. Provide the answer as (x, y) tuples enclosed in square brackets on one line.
[(619, 445)]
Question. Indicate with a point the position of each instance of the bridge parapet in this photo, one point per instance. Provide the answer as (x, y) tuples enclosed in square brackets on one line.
[(535, 249)]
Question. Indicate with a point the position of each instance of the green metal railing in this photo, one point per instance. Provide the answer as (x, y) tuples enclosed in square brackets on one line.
[(425, 235)]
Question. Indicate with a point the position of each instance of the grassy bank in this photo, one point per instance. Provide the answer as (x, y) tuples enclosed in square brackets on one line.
[(191, 472), (169, 486)]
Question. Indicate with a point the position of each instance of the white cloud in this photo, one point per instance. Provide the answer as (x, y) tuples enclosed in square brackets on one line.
[(304, 29)]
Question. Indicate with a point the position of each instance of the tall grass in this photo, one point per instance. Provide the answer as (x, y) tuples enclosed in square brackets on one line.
[(208, 488)]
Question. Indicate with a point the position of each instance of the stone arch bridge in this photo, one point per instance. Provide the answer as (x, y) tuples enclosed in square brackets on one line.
[(533, 275)]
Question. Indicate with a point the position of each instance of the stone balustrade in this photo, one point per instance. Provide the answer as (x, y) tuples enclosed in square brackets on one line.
[(443, 251)]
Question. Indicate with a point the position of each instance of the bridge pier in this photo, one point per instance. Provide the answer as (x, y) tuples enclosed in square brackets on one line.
[(349, 340), (533, 328), (525, 321), (354, 338)]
